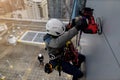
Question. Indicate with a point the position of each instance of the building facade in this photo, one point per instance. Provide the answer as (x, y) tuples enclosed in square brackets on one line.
[(24, 9), (36, 9), (59, 8)]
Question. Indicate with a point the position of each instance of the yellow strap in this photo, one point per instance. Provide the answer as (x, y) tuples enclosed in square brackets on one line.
[(67, 43)]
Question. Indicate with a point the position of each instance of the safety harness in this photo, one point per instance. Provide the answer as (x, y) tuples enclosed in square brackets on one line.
[(71, 54), (68, 54), (57, 56)]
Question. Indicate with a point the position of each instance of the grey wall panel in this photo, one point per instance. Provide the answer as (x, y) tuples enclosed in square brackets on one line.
[(103, 52), (101, 64)]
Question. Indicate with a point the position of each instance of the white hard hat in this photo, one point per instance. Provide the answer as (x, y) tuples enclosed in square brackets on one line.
[(55, 27), (40, 55)]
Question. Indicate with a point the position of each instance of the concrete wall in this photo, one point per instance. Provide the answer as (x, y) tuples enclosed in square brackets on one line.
[(103, 51)]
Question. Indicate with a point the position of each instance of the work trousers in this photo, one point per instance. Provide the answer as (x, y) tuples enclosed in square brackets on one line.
[(72, 69)]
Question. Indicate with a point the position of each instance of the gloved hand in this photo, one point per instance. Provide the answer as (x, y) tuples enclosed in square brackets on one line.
[(76, 20), (84, 23), (81, 24)]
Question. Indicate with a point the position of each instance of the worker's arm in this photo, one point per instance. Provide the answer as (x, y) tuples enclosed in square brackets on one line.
[(61, 40)]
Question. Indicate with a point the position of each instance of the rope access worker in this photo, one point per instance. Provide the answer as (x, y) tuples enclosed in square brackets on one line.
[(56, 38)]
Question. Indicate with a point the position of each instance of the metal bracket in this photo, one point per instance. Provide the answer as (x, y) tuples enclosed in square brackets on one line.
[(100, 25)]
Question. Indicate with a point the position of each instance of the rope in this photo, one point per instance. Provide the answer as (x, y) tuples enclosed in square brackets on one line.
[(72, 11), (77, 5)]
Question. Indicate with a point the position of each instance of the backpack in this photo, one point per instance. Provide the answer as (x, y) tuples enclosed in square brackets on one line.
[(92, 26)]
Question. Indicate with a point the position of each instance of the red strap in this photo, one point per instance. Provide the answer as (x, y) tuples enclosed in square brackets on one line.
[(74, 52)]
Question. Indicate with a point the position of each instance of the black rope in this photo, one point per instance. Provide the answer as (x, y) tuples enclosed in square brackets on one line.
[(59, 67)]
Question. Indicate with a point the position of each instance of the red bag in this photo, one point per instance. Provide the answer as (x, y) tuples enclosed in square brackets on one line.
[(92, 25)]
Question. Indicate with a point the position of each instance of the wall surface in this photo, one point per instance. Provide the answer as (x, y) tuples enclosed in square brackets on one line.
[(103, 51)]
